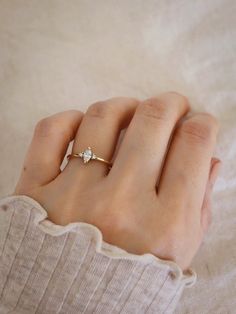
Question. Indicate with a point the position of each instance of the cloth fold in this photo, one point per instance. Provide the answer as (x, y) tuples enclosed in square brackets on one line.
[(48, 268)]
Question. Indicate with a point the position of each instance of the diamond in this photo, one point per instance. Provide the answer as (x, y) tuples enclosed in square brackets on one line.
[(87, 155)]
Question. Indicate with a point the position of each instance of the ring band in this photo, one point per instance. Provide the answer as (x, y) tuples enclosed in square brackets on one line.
[(88, 155)]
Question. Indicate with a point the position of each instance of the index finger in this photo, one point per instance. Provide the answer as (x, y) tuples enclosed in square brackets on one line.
[(48, 146)]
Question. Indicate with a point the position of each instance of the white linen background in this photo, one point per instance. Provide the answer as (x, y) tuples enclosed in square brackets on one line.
[(57, 55)]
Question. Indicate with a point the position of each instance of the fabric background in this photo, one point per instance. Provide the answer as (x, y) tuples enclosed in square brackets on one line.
[(57, 55)]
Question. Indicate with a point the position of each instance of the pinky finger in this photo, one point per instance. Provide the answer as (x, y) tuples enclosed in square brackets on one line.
[(206, 215)]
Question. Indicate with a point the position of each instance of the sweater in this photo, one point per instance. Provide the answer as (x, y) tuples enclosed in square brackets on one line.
[(49, 268)]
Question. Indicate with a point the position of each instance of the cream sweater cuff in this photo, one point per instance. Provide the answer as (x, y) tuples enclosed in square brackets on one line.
[(48, 268)]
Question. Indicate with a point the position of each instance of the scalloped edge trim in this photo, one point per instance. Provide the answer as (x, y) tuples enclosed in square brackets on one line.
[(188, 278)]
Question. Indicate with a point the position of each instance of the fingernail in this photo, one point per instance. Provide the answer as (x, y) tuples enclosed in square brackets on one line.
[(215, 169), (214, 160)]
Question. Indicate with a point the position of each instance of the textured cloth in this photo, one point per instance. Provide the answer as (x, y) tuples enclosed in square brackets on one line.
[(48, 268)]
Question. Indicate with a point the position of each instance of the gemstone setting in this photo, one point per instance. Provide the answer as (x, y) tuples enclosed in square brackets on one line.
[(87, 155)]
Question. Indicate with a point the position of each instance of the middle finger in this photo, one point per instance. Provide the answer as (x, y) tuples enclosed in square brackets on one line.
[(146, 140)]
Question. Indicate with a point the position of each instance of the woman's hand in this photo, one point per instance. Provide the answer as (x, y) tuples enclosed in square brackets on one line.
[(156, 197)]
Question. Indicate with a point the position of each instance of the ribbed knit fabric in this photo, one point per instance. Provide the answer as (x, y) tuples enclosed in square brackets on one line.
[(48, 268)]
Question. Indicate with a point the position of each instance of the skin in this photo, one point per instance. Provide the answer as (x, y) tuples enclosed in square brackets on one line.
[(155, 199)]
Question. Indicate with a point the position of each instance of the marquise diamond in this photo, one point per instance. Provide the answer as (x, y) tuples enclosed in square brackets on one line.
[(87, 155)]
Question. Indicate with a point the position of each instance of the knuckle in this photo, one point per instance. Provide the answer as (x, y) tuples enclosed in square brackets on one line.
[(44, 127), (99, 109), (197, 131), (211, 120), (75, 112), (179, 97), (123, 99), (48, 126), (153, 108)]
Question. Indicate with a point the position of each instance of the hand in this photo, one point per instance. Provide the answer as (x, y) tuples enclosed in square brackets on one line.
[(156, 197)]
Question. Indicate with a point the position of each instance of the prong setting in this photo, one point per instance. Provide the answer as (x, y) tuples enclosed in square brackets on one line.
[(87, 155)]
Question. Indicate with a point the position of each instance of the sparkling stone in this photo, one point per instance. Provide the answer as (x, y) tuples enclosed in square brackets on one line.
[(87, 155)]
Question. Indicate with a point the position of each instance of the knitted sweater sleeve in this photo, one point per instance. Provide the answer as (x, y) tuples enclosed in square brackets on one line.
[(48, 268)]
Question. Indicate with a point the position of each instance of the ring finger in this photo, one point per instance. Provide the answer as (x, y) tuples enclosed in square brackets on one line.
[(99, 129)]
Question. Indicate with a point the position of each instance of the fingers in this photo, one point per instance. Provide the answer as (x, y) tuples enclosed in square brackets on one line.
[(100, 130), (50, 141), (144, 145), (185, 174), (206, 207)]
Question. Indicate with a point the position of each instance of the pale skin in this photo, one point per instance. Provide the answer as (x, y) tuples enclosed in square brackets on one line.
[(155, 199)]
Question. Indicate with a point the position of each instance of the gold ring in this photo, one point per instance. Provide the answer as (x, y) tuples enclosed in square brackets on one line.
[(88, 155)]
